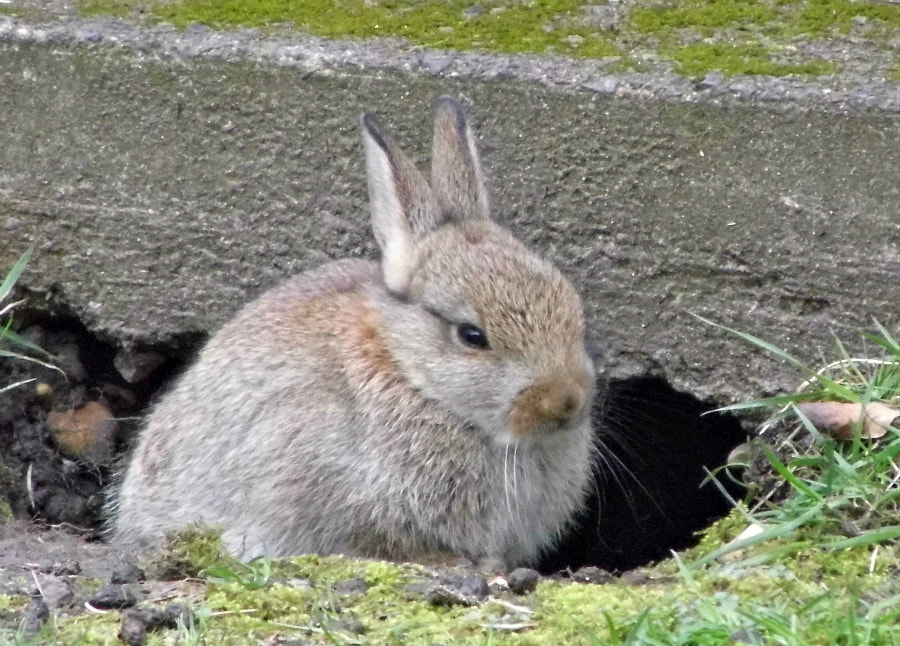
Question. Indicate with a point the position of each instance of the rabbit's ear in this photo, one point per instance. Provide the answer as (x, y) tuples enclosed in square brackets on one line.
[(403, 205), (455, 172)]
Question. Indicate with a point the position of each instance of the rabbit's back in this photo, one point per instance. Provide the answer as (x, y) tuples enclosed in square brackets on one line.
[(224, 446)]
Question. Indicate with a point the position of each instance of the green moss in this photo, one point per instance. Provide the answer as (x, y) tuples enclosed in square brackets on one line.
[(740, 36), (116, 8), (781, 19), (187, 553), (699, 58), (824, 17), (512, 27), (703, 15)]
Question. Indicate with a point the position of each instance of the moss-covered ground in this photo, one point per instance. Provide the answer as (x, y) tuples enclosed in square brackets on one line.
[(773, 37), (788, 590)]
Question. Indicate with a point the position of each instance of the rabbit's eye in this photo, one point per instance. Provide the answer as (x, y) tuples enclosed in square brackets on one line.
[(472, 336)]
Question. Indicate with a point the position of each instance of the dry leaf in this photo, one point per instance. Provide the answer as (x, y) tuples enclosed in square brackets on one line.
[(87, 432), (838, 418)]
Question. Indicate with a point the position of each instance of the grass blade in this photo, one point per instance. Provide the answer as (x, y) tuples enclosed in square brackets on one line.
[(14, 273), (872, 537), (21, 341), (3, 389)]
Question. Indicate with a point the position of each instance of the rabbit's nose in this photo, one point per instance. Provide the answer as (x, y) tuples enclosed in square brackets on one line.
[(549, 405)]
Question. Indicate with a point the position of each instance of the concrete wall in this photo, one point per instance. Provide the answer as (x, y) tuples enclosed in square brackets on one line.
[(165, 178)]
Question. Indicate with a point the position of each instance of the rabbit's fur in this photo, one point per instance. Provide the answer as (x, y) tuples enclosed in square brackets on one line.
[(345, 412)]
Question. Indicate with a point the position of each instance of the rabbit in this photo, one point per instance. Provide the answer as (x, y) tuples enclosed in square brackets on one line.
[(435, 404)]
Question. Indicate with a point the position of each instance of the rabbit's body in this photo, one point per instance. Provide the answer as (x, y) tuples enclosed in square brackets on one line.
[(354, 410)]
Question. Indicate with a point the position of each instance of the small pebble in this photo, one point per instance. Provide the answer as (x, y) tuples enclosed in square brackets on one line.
[(591, 574), (350, 586), (490, 565), (36, 615), (140, 620), (54, 591), (61, 568), (711, 80), (179, 612), (113, 596), (442, 595), (635, 577), (351, 624), (473, 12), (468, 584), (523, 580), (127, 573), (133, 630)]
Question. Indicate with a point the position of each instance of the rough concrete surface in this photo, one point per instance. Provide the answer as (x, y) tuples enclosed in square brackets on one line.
[(166, 177)]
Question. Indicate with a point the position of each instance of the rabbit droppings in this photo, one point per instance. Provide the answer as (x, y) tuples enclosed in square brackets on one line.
[(435, 404)]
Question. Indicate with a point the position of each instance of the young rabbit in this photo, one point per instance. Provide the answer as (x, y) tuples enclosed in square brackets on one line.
[(435, 404)]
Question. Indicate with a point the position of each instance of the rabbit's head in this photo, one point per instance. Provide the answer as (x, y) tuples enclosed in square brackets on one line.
[(474, 320)]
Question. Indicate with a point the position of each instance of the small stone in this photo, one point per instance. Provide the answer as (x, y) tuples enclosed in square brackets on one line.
[(36, 615), (575, 40), (140, 620), (54, 591), (44, 390), (605, 85), (351, 624), (591, 574), (850, 528), (498, 585), (636, 577), (113, 596), (523, 580), (61, 568), (711, 80), (350, 586), (436, 63), (137, 366), (127, 573), (444, 596), (177, 613), (468, 584), (602, 16), (420, 588), (87, 433), (472, 12), (133, 630), (491, 565)]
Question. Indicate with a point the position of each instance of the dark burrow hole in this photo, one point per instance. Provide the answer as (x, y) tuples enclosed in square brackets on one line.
[(651, 492), (46, 471)]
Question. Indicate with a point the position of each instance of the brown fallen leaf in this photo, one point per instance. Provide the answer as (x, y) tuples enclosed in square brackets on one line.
[(839, 418), (87, 432)]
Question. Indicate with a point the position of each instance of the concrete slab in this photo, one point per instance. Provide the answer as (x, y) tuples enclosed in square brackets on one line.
[(166, 177)]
